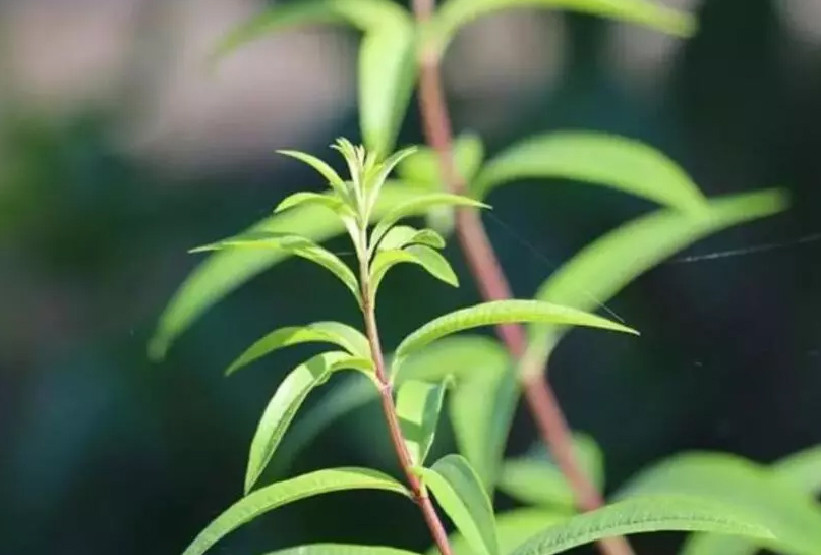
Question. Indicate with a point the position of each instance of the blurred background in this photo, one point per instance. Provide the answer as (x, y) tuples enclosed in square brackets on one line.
[(120, 149)]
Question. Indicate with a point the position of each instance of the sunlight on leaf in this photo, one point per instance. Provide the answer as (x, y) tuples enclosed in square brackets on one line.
[(418, 405), (340, 549)]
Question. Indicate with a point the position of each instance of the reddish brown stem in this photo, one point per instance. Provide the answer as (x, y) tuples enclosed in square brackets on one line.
[(493, 285), (420, 496)]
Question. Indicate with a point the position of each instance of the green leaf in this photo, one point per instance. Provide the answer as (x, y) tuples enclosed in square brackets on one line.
[(418, 405), (294, 244), (500, 312), (416, 206), (301, 199), (430, 260), (606, 265), (792, 516), (282, 408), (323, 168), (402, 235), (458, 491), (328, 480), (512, 529), (455, 14), (343, 335), (644, 514), (598, 159), (535, 480), (340, 549), (226, 270), (423, 167)]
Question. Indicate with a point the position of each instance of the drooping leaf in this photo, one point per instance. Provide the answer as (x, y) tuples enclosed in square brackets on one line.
[(500, 312), (328, 480), (330, 202), (343, 335), (423, 256), (330, 175), (458, 491), (286, 402), (423, 167), (640, 515), (792, 516), (609, 263), (416, 206), (402, 235), (513, 528), (224, 271), (594, 158), (418, 405), (455, 14), (294, 244), (535, 480), (341, 549)]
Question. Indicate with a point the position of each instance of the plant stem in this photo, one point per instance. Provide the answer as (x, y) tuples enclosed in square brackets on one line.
[(493, 285), (420, 496)]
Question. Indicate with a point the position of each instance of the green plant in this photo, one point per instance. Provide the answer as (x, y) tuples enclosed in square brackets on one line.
[(445, 183)]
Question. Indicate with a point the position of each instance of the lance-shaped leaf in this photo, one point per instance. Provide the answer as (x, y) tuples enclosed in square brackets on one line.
[(386, 55), (286, 402), (598, 159), (535, 480), (606, 265), (792, 516), (644, 514), (418, 405), (423, 167), (328, 480), (455, 14), (322, 167), (458, 491), (341, 549), (492, 313), (435, 264), (402, 235), (294, 244), (224, 271), (328, 201), (416, 206), (513, 528), (339, 334)]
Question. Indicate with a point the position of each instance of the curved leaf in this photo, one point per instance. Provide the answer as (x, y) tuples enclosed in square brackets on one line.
[(612, 261), (640, 515), (402, 235), (512, 529), (594, 158), (282, 408), (458, 491), (416, 206), (500, 312), (433, 262), (423, 166), (418, 405), (341, 549), (791, 515), (301, 199), (535, 480), (343, 335), (455, 14), (322, 168), (328, 480), (224, 271), (294, 244)]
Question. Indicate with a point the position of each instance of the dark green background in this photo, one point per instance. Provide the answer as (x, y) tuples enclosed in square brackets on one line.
[(103, 452)]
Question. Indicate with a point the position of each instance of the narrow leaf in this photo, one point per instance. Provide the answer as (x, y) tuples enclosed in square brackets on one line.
[(643, 514), (457, 489), (294, 244), (328, 480), (224, 271), (301, 199), (598, 159), (323, 168), (418, 405), (423, 256), (501, 312), (606, 265), (340, 549), (793, 517), (455, 14), (286, 401), (342, 335), (416, 206), (513, 528)]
